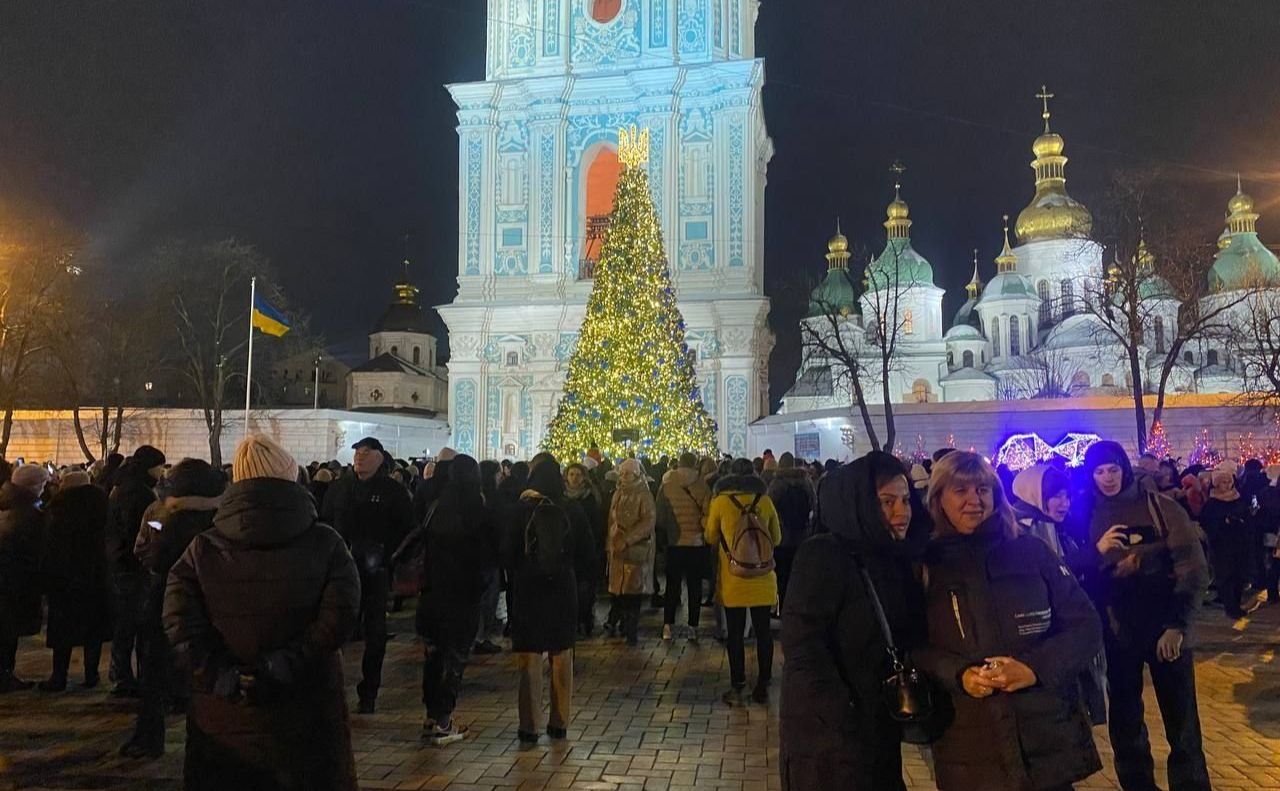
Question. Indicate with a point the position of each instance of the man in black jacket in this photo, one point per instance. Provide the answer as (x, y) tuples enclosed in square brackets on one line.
[(133, 493), (373, 514)]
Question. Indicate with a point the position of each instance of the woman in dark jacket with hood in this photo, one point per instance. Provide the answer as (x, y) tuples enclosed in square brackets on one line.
[(257, 610), (193, 493), (461, 550), (544, 596), (76, 579), (835, 731), (1010, 632), (21, 548)]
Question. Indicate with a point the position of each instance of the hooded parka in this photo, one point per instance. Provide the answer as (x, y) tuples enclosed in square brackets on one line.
[(732, 494), (632, 548), (21, 549), (271, 592), (75, 568), (991, 595), (835, 730)]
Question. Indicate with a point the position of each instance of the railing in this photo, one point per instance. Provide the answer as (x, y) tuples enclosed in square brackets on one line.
[(586, 269), (597, 226)]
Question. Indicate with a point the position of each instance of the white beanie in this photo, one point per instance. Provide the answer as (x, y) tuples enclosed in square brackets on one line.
[(258, 456), (32, 477)]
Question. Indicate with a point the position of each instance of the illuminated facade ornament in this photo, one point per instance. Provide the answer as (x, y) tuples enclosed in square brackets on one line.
[(633, 147)]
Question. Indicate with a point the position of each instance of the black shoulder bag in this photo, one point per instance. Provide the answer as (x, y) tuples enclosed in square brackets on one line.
[(907, 693)]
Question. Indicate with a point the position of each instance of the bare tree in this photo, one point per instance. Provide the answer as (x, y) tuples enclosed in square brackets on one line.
[(1257, 349), (1149, 302), (207, 291), (36, 267), (1042, 372), (861, 350)]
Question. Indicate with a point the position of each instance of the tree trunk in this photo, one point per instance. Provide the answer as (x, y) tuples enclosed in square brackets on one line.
[(117, 429), (867, 422), (890, 433), (79, 428), (214, 421), (6, 432), (1139, 409)]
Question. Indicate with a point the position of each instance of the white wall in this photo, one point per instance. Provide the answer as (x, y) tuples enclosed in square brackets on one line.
[(310, 435)]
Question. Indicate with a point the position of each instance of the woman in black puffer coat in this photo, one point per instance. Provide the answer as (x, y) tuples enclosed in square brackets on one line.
[(21, 549), (835, 730), (257, 610), (76, 579), (1010, 632)]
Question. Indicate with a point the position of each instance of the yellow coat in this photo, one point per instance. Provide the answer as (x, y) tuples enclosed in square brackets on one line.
[(722, 519)]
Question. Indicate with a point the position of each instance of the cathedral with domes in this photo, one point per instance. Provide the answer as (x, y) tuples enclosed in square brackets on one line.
[(1029, 332)]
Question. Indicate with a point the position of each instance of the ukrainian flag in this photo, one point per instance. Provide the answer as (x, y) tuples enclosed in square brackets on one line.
[(268, 319)]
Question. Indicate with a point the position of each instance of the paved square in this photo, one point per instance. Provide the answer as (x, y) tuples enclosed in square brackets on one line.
[(645, 718)]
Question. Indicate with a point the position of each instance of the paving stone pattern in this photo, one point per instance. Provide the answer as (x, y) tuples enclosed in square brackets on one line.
[(648, 717)]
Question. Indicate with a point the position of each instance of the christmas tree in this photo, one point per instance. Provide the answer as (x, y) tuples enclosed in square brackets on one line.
[(1158, 442), (631, 383)]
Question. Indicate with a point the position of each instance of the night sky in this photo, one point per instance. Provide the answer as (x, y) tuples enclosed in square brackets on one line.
[(320, 131)]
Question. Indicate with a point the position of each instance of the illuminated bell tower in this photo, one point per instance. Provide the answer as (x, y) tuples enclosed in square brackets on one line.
[(538, 165)]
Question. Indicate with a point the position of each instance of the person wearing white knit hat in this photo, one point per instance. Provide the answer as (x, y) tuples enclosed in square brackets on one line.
[(257, 610)]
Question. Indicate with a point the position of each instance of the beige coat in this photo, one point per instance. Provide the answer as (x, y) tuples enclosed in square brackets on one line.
[(632, 544), (686, 497)]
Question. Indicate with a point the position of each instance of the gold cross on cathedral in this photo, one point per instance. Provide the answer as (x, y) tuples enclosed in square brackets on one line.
[(1044, 96), (897, 169)]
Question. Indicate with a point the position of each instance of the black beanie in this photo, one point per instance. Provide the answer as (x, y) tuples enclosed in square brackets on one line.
[(1108, 452), (148, 457), (196, 478)]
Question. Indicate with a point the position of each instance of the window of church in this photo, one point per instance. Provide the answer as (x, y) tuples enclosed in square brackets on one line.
[(1015, 337), (602, 183), (417, 355), (920, 391), (1046, 307), (951, 359), (513, 359), (1079, 382), (967, 358), (1213, 357), (995, 339), (1108, 380), (1068, 299), (908, 323), (1188, 357), (395, 350), (604, 11), (1158, 328)]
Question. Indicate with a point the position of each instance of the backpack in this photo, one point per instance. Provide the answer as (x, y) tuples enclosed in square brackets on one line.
[(752, 551), (546, 539)]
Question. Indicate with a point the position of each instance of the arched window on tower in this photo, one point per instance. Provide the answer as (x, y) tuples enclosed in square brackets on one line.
[(1212, 357), (605, 10), (1015, 337), (417, 355), (1158, 329), (967, 358), (1188, 357), (995, 339), (602, 183), (908, 323), (1079, 383), (1046, 308), (1068, 299)]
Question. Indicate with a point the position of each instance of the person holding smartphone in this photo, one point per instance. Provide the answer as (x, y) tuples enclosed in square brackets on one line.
[(1149, 576)]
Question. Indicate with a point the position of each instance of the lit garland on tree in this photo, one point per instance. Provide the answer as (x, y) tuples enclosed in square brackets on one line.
[(1158, 442), (1204, 453), (631, 384)]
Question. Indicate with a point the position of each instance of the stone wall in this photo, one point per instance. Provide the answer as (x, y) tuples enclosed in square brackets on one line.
[(308, 434), (984, 425)]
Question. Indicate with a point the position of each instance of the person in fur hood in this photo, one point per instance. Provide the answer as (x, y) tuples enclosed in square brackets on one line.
[(741, 491), (194, 493)]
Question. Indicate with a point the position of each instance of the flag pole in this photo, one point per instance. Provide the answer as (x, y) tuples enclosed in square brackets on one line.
[(248, 378), (316, 392)]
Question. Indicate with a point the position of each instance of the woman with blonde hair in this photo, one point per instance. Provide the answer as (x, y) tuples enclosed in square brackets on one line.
[(1009, 633)]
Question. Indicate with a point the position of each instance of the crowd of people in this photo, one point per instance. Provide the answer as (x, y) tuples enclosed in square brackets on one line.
[(995, 616)]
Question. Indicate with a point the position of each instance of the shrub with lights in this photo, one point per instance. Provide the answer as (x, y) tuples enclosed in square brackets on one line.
[(631, 383)]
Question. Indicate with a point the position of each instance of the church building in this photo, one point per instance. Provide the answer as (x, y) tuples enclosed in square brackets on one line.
[(538, 170)]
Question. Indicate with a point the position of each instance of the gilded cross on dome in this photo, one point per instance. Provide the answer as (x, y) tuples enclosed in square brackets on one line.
[(897, 169), (633, 146), (1044, 96)]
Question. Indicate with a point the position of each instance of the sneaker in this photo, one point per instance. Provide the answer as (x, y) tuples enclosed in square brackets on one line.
[(366, 705), (526, 737), (666, 632), (733, 697), (761, 693), (557, 733), (442, 735), (487, 647), (692, 637)]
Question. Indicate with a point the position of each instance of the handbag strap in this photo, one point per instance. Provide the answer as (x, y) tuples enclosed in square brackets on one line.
[(894, 654)]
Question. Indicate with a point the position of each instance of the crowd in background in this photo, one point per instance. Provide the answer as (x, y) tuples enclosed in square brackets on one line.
[(1028, 603)]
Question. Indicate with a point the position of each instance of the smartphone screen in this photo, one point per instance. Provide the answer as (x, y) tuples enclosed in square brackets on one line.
[(154, 525)]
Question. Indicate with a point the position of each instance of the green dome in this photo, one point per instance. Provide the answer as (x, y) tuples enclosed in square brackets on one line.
[(835, 292), (1245, 260), (1008, 284), (967, 315), (912, 268), (1155, 287)]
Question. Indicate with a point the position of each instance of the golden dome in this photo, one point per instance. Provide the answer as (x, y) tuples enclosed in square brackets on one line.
[(838, 244), (1049, 144), (1224, 239), (898, 210), (1240, 203)]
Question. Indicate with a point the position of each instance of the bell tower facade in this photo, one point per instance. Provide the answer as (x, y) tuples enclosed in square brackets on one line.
[(537, 169)]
